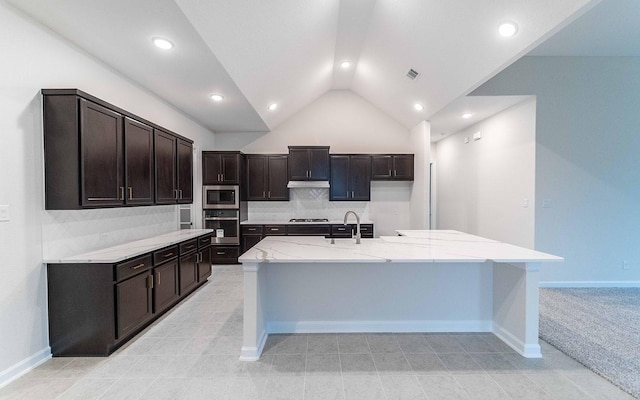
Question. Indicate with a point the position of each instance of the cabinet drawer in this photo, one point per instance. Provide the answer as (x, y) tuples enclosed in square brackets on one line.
[(308, 230), (272, 230), (341, 231), (133, 267), (204, 241), (252, 229), (224, 255), (189, 246), (164, 255)]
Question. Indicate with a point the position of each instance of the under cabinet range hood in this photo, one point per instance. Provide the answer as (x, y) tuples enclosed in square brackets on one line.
[(308, 185)]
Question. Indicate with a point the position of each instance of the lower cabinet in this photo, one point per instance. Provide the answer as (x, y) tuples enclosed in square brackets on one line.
[(225, 254), (204, 264), (188, 272), (165, 286), (95, 308)]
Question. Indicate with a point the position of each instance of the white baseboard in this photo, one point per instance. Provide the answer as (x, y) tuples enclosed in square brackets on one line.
[(17, 370), (378, 326), (589, 284), (531, 350), (249, 353)]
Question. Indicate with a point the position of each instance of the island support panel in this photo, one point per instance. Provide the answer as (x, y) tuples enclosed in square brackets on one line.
[(290, 297)]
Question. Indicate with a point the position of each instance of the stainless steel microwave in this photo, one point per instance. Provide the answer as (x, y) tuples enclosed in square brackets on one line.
[(220, 196)]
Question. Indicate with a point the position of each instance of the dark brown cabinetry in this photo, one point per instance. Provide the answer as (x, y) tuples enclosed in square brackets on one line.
[(396, 167), (138, 162), (173, 169), (95, 308), (221, 168), (204, 261), (251, 235), (98, 155), (225, 254), (267, 177), (188, 266), (309, 230), (350, 178), (347, 231), (166, 290), (308, 163)]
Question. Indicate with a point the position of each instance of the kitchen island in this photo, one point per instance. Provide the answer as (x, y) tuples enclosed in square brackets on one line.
[(422, 281)]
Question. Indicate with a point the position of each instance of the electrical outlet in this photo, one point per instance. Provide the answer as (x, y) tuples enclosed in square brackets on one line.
[(525, 203), (4, 213), (625, 264)]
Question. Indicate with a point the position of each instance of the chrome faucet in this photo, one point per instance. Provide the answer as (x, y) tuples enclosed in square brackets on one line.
[(346, 216)]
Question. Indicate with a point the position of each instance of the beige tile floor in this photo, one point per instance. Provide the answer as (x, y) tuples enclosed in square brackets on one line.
[(192, 353)]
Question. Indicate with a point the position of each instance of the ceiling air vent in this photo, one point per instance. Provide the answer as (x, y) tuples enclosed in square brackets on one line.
[(412, 74)]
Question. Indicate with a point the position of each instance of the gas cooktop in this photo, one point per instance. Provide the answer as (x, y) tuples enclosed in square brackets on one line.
[(308, 220)]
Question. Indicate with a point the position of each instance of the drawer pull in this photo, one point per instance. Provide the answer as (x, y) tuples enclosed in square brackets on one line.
[(167, 255), (220, 253), (275, 229), (190, 246), (251, 229), (138, 266)]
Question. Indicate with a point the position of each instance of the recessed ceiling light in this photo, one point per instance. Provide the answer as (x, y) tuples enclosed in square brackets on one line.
[(345, 64), (217, 97), (508, 29), (272, 106), (467, 115), (418, 107), (162, 43)]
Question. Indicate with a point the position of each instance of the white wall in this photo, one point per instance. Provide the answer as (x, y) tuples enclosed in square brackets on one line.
[(587, 163), (348, 124), (32, 59), (483, 185), (421, 143)]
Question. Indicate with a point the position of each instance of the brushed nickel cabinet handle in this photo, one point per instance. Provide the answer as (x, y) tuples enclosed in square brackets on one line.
[(167, 255), (180, 191), (150, 281), (390, 174), (158, 278), (130, 193), (121, 192), (275, 229), (191, 246), (138, 266), (220, 253), (269, 194), (175, 194)]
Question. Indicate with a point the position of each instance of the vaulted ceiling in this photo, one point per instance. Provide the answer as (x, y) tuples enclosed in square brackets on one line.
[(260, 52)]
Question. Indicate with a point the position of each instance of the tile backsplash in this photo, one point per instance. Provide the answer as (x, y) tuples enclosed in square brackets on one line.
[(306, 203), (66, 233)]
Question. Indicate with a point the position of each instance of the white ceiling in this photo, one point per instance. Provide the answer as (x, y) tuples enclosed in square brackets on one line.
[(257, 52)]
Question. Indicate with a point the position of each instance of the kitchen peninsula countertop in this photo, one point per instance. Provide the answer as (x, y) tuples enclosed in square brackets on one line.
[(135, 248), (351, 220), (425, 246)]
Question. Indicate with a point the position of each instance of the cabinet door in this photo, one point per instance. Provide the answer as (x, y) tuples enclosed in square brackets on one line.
[(248, 241), (101, 175), (185, 172), (277, 178), (319, 164), (138, 162), (211, 168), (256, 177), (230, 169), (165, 167), (204, 266), (133, 303), (165, 289), (298, 165), (339, 188), (403, 167), (381, 167), (188, 272), (360, 178)]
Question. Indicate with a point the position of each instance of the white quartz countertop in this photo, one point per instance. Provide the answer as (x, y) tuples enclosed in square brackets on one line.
[(132, 249), (442, 246), (286, 222)]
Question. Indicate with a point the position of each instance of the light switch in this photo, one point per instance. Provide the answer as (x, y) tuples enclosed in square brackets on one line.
[(4, 213)]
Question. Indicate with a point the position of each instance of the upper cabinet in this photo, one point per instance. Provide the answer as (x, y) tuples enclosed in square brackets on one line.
[(138, 162), (267, 177), (98, 155), (173, 169), (221, 168), (308, 163), (350, 178), (396, 167)]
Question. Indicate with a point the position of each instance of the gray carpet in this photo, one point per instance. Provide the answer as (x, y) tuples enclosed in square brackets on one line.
[(599, 327)]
